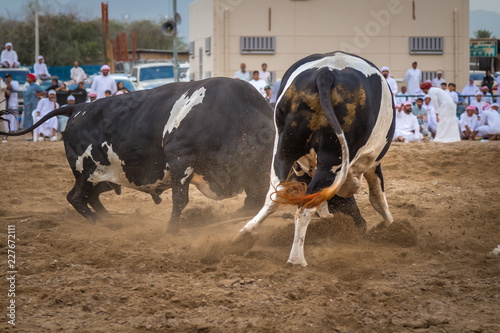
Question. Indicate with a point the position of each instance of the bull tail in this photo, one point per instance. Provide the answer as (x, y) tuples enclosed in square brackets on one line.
[(294, 192), (62, 111)]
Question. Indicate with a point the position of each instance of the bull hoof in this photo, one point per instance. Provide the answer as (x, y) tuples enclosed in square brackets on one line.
[(173, 230), (296, 261)]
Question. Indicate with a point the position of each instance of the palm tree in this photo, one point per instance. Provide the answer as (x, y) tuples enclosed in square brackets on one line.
[(483, 34)]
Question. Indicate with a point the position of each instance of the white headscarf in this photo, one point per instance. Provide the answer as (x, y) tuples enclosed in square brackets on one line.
[(8, 44), (470, 89)]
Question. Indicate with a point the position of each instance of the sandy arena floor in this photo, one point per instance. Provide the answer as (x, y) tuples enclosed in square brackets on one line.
[(432, 271)]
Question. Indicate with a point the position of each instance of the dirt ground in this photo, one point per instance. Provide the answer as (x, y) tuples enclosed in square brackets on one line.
[(431, 271)]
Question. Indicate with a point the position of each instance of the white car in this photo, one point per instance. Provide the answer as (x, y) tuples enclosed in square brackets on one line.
[(152, 75)]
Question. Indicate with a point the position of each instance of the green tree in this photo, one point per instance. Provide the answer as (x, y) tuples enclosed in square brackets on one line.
[(483, 33)]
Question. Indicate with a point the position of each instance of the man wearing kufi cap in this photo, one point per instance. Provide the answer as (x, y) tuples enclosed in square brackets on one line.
[(103, 82), (479, 103), (468, 123), (40, 69), (407, 127), (49, 127), (8, 58), (30, 99), (436, 82), (447, 122), (489, 124), (386, 72)]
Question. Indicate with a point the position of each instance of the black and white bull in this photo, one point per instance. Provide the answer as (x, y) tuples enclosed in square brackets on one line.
[(335, 120), (216, 134)]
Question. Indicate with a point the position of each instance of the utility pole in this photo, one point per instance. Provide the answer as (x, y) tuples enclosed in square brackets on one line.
[(176, 64), (37, 38)]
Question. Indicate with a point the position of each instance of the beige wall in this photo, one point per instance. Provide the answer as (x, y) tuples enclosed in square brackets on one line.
[(377, 30)]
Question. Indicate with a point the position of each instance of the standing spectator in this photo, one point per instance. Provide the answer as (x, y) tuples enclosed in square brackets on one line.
[(269, 93), (489, 124), (407, 128), (470, 90), (92, 97), (479, 103), (3, 124), (436, 82), (468, 123), (392, 83), (80, 93), (447, 123), (258, 83), (103, 82), (274, 90), (63, 120), (30, 99), (54, 85), (77, 74), (488, 81), (120, 87), (8, 58), (49, 127), (40, 69), (264, 74), (486, 95), (421, 113), (413, 78), (402, 96), (243, 74), (12, 102), (444, 86)]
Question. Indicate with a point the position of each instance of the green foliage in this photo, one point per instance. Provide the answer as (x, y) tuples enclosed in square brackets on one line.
[(482, 33), (65, 38)]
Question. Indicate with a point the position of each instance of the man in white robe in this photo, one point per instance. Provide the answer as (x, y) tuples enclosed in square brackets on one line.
[(468, 123), (386, 72), (12, 102), (407, 127), (258, 83), (49, 127), (469, 90), (486, 95), (447, 122), (77, 74), (264, 74), (103, 82), (40, 69), (489, 125), (402, 96), (413, 78), (8, 58), (479, 103), (436, 82)]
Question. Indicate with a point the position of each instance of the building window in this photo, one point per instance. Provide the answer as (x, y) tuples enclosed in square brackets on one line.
[(201, 63), (426, 45), (257, 45), (208, 45), (191, 49), (428, 75)]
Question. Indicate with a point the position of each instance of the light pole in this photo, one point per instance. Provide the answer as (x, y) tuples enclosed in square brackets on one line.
[(37, 42)]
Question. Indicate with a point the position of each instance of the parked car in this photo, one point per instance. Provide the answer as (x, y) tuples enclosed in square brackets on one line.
[(152, 75), (19, 74)]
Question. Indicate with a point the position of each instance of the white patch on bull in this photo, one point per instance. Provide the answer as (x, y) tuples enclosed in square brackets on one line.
[(181, 109), (84, 113), (76, 114), (188, 172), (114, 173)]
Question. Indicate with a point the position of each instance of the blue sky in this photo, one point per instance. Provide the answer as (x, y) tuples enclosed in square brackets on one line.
[(157, 9)]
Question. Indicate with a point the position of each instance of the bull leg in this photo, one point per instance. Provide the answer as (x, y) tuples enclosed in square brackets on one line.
[(302, 218), (375, 182), (323, 211), (94, 198), (348, 206), (180, 198), (78, 197)]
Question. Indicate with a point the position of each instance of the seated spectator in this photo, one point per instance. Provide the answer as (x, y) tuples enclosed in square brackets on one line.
[(468, 123), (77, 74), (444, 86), (470, 90), (489, 124), (486, 95), (62, 94), (431, 116), (92, 97), (40, 69), (121, 87), (243, 74), (8, 58), (402, 96), (258, 83), (436, 82), (54, 86), (63, 120), (407, 128), (479, 103), (421, 113), (49, 127), (80, 93), (107, 93)]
